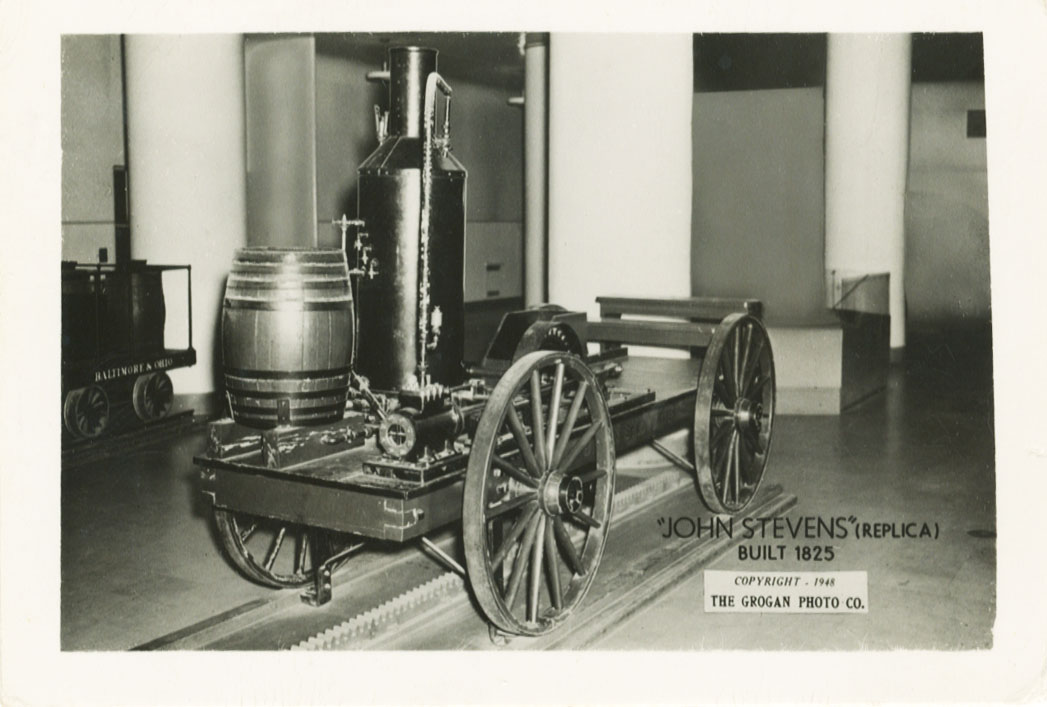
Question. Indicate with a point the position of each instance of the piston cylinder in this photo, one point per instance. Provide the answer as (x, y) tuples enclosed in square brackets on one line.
[(390, 204)]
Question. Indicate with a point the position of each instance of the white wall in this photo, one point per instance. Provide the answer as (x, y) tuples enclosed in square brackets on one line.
[(759, 200), (185, 131), (619, 166), (866, 155), (947, 207), (92, 143)]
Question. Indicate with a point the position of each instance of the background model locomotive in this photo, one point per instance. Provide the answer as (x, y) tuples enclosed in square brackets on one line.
[(114, 358), (353, 416)]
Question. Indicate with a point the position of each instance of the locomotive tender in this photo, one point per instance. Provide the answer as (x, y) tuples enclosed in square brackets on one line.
[(114, 357), (353, 417)]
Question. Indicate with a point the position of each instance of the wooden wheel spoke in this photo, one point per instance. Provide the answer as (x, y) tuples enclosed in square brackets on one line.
[(721, 393), (718, 436), (536, 571), (728, 463), (590, 476), (750, 372), (563, 539), (744, 368), (757, 387), (737, 466), (726, 359), (585, 519), (581, 444), (721, 412), (303, 546), (752, 442), (537, 428), (274, 549), (511, 469), (554, 411), (522, 523), (568, 423), (552, 567), (521, 441), (720, 464), (245, 534), (736, 355), (503, 507), (520, 564)]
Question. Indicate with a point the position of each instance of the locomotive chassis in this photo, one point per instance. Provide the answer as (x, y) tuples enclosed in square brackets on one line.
[(341, 479), (335, 492)]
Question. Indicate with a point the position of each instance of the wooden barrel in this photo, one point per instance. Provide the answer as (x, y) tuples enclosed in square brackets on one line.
[(287, 336)]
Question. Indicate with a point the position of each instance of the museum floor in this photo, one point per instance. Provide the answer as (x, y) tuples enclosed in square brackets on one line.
[(139, 558)]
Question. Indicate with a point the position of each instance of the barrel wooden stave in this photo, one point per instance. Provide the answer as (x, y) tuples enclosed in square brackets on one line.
[(287, 336)]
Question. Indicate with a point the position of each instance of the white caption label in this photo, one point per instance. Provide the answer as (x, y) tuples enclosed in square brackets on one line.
[(787, 592)]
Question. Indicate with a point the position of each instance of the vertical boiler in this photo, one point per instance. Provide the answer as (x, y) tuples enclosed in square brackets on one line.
[(411, 301)]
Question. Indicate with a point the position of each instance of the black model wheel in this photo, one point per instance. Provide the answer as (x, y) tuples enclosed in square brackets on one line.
[(273, 552), (538, 492), (152, 396), (734, 414), (86, 412)]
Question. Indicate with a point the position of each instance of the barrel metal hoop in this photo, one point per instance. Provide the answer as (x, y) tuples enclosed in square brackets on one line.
[(286, 375), (332, 305)]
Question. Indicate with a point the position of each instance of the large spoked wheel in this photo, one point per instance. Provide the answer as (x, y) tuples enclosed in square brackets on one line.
[(734, 414), (273, 552), (538, 491), (86, 412), (152, 396)]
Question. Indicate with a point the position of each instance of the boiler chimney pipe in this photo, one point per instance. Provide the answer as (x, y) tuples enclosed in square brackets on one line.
[(409, 67)]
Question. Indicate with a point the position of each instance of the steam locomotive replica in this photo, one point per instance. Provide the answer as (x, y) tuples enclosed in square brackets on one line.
[(114, 357), (353, 417)]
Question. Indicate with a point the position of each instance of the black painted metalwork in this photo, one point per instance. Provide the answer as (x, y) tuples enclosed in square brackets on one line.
[(389, 203)]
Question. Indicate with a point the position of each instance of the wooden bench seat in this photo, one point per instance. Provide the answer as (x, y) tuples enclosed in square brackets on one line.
[(685, 322)]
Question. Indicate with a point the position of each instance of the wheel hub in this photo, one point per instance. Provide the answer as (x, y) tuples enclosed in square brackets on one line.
[(748, 415), (561, 494)]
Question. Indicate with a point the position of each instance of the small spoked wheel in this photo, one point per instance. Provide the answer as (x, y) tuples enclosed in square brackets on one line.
[(734, 414), (538, 491), (152, 396), (86, 412), (273, 552)]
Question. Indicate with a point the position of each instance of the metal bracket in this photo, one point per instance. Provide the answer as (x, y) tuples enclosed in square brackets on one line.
[(322, 590), (498, 636), (407, 519), (673, 456), (320, 593), (442, 556)]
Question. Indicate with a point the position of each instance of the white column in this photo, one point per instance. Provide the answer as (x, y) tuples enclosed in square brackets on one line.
[(619, 166), (866, 156), (280, 76), (185, 133), (536, 161)]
